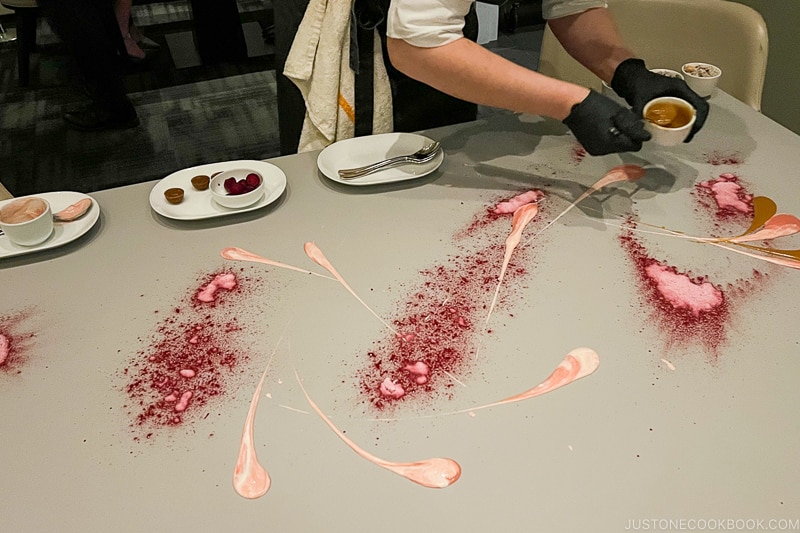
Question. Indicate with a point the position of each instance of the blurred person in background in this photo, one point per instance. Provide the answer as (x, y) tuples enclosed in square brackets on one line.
[(91, 30), (426, 42)]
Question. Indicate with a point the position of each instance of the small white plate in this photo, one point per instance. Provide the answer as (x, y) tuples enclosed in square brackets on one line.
[(360, 151), (63, 232), (198, 205)]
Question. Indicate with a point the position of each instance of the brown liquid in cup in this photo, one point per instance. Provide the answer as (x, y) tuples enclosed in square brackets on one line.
[(669, 114), (22, 210)]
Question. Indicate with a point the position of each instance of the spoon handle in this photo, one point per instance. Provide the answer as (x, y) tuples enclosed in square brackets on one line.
[(348, 174)]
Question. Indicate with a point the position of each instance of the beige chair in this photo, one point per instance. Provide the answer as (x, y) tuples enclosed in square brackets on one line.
[(27, 12), (669, 33), (4, 194)]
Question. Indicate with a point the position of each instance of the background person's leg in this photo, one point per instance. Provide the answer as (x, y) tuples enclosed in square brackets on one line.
[(90, 28)]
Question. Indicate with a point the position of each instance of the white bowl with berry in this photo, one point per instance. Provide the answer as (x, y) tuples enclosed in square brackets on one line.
[(237, 188)]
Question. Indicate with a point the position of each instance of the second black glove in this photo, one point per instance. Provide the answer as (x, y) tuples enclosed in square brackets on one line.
[(637, 85), (605, 127)]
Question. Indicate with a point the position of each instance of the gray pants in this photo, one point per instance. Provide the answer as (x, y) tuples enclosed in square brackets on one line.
[(416, 106)]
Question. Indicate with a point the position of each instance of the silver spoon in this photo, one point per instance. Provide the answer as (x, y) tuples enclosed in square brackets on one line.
[(423, 155)]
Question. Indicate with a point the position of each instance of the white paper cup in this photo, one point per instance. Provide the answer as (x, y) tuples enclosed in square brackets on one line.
[(664, 135), (703, 85), (27, 221)]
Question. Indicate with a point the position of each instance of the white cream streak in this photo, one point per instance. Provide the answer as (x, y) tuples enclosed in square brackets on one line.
[(577, 364), (316, 255), (522, 216), (435, 473), (250, 479), (618, 173)]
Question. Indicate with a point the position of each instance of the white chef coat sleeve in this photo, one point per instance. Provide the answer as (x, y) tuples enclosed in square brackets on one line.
[(553, 9), (427, 23)]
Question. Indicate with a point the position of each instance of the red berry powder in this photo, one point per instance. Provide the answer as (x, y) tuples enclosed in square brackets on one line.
[(443, 317), (16, 342), (691, 309), (193, 357), (688, 309), (726, 197), (578, 153), (720, 157)]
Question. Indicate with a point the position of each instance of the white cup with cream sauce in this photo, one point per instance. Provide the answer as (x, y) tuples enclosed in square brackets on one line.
[(27, 221)]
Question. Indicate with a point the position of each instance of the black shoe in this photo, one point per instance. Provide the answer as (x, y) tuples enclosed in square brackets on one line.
[(95, 119)]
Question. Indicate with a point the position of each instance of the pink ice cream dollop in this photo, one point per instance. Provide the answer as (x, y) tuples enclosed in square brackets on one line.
[(5, 348), (683, 293), (420, 370), (225, 281), (728, 194), (511, 205), (392, 389)]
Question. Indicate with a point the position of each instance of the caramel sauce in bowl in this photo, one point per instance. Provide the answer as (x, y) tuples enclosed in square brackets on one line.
[(669, 120)]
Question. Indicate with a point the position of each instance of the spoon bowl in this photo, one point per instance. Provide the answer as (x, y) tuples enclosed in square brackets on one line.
[(74, 211)]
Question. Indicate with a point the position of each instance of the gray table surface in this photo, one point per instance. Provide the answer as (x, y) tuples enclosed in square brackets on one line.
[(635, 444)]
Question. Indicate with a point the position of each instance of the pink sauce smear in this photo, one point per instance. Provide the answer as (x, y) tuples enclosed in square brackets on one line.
[(74, 211), (781, 225), (614, 175), (509, 206), (15, 344), (767, 224), (250, 479), (316, 255), (728, 194), (523, 214), (5, 348), (687, 308), (681, 291), (435, 473), (578, 363)]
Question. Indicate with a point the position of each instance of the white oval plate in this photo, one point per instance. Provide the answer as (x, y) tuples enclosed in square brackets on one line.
[(63, 232), (360, 151), (198, 205)]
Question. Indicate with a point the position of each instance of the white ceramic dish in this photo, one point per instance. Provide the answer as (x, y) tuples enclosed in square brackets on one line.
[(360, 151), (63, 232), (668, 72), (235, 201), (702, 85), (199, 205)]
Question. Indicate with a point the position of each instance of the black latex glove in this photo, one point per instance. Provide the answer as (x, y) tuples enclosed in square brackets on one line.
[(637, 85), (605, 127)]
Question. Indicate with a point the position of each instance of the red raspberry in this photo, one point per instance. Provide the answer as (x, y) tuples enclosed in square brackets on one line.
[(253, 180), (237, 187)]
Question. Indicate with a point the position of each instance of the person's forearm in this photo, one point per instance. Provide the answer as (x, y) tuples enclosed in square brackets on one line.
[(592, 39), (468, 71)]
